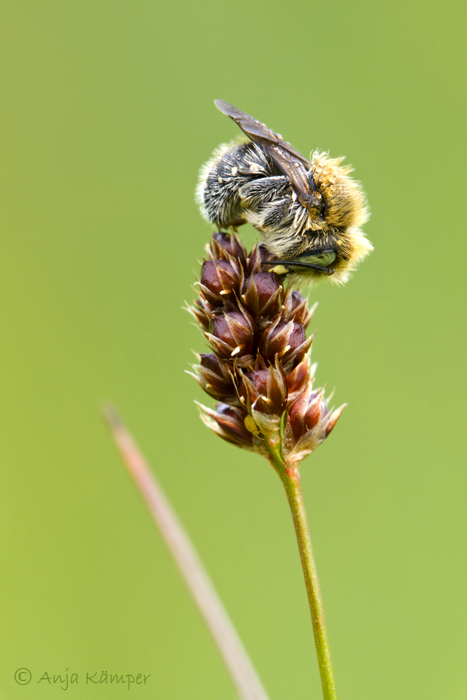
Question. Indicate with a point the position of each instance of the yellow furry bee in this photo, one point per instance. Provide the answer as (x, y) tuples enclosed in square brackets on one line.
[(309, 212)]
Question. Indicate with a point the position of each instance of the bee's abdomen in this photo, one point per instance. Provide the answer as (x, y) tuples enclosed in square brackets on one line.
[(224, 175)]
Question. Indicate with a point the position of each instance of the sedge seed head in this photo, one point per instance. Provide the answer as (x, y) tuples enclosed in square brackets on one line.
[(258, 365)]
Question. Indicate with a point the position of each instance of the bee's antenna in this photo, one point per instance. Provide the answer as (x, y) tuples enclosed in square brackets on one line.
[(329, 270)]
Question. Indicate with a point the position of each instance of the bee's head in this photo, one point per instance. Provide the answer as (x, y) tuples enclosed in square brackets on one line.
[(343, 199)]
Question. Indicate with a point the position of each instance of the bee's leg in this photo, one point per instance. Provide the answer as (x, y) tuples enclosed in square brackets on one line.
[(235, 223), (264, 189)]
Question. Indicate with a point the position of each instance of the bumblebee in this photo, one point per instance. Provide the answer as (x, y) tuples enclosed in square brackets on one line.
[(308, 212)]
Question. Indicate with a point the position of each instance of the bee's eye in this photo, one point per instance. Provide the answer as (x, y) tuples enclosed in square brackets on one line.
[(312, 260), (323, 257)]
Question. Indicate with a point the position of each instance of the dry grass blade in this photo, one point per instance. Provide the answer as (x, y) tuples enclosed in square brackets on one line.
[(231, 649)]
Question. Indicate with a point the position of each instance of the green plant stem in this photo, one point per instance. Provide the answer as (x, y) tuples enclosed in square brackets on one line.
[(290, 478)]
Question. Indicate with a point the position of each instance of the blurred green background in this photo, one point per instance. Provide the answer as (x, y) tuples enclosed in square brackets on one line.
[(107, 114)]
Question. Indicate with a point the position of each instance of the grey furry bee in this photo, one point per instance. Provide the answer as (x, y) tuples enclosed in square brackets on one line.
[(309, 212)]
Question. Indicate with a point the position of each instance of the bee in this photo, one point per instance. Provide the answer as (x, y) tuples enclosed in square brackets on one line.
[(308, 212)]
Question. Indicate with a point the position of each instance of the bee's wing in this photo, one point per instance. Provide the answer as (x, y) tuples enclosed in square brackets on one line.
[(292, 168), (259, 132), (289, 161)]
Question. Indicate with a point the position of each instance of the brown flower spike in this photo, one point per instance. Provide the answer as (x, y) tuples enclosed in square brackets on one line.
[(258, 367)]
